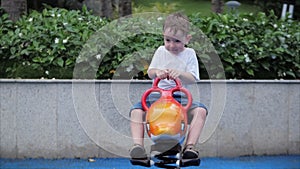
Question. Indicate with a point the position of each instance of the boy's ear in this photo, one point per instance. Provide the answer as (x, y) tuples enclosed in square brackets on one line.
[(188, 38)]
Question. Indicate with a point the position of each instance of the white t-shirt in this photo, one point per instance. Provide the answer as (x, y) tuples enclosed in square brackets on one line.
[(184, 61)]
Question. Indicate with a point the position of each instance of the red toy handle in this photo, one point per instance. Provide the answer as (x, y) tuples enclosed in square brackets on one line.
[(166, 93)]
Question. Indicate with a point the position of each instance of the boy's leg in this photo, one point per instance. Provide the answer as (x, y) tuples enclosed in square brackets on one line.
[(137, 126), (137, 132), (196, 126)]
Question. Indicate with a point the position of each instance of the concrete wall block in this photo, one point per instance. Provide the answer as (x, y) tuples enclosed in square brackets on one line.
[(270, 134), (72, 141), (208, 141), (293, 119), (234, 130), (114, 105), (209, 148), (36, 120), (8, 111)]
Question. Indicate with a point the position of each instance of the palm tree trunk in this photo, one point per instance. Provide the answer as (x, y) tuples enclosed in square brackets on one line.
[(15, 8)]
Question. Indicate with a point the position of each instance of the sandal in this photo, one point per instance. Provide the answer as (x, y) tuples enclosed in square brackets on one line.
[(138, 152), (189, 152)]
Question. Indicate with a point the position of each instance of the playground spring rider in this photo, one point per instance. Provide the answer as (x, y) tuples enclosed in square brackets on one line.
[(166, 124)]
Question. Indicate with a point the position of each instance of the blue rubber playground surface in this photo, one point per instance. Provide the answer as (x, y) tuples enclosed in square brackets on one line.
[(256, 162)]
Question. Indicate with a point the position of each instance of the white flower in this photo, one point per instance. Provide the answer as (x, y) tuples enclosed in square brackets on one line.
[(65, 40), (56, 40), (65, 23), (58, 15), (47, 72), (20, 34), (247, 59), (53, 15), (80, 19), (159, 18), (245, 19), (30, 19), (129, 68), (149, 22), (223, 45), (275, 26), (227, 27), (98, 57)]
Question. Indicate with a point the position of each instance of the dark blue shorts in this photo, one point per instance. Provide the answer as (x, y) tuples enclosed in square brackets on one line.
[(181, 99)]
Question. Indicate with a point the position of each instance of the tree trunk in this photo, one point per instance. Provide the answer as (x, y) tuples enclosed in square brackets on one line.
[(107, 8), (101, 8), (217, 6), (125, 8), (15, 8)]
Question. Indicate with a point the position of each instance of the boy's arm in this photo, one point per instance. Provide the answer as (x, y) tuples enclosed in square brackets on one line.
[(185, 77), (154, 72)]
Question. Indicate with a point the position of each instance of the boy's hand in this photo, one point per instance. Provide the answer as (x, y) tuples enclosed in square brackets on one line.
[(162, 74), (174, 74)]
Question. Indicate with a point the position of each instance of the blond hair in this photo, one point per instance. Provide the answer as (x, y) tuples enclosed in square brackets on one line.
[(177, 22)]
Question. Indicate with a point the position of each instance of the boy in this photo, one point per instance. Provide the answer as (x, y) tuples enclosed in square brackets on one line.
[(173, 60)]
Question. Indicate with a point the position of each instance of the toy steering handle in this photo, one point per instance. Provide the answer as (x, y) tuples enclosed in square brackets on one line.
[(167, 93)]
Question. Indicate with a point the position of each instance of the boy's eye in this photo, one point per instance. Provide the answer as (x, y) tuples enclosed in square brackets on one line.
[(176, 41)]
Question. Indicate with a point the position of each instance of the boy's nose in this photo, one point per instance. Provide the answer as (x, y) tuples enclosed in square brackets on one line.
[(172, 44)]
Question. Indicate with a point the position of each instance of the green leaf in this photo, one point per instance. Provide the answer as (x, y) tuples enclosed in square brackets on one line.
[(69, 62), (37, 60), (60, 62), (291, 74), (250, 72), (13, 50)]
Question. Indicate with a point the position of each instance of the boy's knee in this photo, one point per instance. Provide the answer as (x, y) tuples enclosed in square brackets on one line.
[(136, 112), (200, 111)]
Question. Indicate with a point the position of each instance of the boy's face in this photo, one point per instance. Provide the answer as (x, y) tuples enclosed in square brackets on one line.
[(173, 45), (174, 41)]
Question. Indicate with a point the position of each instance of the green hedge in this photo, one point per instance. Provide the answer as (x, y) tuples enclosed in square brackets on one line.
[(49, 44), (254, 46), (45, 44)]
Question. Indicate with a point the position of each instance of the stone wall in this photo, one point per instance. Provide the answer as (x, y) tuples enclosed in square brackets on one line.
[(87, 118)]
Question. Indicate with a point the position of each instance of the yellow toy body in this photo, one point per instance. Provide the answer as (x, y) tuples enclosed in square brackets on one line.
[(166, 117)]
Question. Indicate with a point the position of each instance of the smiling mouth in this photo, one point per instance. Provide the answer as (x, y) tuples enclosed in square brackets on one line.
[(174, 51)]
